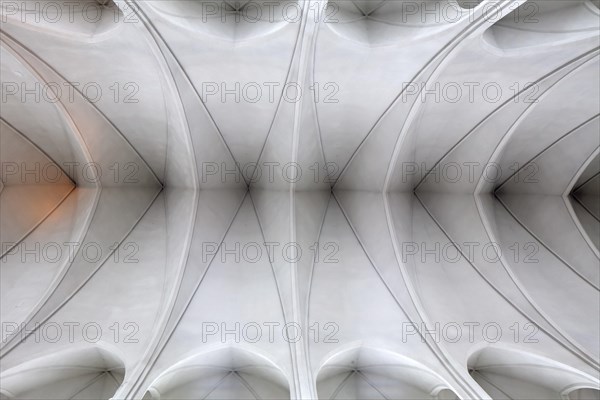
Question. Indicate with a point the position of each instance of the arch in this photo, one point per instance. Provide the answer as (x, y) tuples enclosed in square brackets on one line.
[(387, 22), (583, 198), (226, 372), (584, 394), (543, 24), (83, 20), (233, 20), (369, 373), (506, 373), (85, 372)]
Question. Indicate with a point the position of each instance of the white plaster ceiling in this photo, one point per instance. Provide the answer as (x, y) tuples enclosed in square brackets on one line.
[(366, 199)]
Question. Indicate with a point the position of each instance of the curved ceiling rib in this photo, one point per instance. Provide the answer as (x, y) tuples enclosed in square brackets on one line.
[(581, 217), (33, 187)]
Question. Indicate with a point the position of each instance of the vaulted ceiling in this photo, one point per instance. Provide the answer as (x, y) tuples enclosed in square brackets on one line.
[(354, 199)]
